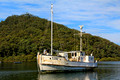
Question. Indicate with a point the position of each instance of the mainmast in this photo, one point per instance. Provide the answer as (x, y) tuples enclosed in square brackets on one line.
[(81, 26), (51, 29)]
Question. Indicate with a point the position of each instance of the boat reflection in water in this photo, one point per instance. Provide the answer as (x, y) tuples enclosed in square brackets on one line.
[(69, 76)]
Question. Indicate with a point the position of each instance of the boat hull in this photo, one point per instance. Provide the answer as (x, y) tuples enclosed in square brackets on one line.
[(60, 68)]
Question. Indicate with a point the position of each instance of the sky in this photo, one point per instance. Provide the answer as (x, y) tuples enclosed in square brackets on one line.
[(99, 17)]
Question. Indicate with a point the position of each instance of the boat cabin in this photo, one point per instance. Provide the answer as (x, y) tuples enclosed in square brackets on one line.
[(78, 56)]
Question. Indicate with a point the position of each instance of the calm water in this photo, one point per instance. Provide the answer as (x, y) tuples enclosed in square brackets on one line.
[(28, 71)]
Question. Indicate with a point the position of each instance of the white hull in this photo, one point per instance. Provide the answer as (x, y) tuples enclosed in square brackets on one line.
[(63, 68)]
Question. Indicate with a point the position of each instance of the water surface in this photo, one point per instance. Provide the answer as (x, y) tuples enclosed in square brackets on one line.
[(28, 71)]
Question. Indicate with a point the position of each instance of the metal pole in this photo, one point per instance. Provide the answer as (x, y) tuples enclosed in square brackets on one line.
[(51, 29), (81, 26)]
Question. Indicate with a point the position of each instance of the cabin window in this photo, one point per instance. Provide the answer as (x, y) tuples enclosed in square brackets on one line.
[(75, 54), (69, 56), (50, 58), (72, 54), (91, 58), (81, 54)]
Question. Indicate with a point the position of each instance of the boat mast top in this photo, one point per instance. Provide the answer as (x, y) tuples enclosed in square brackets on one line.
[(81, 26), (51, 29)]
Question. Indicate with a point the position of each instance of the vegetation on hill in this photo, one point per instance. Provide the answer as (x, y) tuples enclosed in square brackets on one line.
[(21, 37)]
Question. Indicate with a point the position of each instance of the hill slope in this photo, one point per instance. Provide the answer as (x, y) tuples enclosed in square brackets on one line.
[(27, 34)]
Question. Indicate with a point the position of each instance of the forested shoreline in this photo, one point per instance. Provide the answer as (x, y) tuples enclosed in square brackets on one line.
[(22, 36)]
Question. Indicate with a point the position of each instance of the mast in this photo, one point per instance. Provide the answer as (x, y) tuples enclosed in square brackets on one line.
[(81, 26), (51, 29)]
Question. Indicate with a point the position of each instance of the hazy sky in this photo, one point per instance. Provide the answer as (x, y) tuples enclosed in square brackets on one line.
[(99, 17)]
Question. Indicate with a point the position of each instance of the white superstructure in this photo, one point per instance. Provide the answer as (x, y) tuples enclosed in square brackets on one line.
[(76, 61)]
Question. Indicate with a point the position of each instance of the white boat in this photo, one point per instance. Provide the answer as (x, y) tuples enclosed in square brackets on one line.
[(65, 61)]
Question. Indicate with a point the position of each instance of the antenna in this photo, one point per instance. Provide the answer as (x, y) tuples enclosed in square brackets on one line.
[(81, 26), (51, 29)]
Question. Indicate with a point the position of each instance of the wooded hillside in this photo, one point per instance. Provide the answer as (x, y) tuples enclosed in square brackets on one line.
[(23, 36)]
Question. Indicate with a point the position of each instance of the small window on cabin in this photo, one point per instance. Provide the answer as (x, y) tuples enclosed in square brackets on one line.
[(72, 54), (50, 58), (69, 56), (91, 58), (81, 54), (75, 54), (59, 59)]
